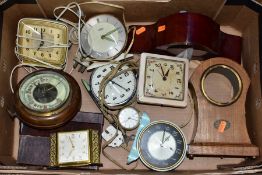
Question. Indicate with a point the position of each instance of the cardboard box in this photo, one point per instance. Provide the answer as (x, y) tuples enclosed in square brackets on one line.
[(241, 18)]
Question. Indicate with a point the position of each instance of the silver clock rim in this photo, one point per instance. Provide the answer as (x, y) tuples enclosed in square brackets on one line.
[(118, 104), (125, 42), (129, 129), (154, 167)]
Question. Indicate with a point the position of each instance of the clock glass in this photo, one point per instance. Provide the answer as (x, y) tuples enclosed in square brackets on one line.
[(45, 91), (41, 39), (73, 147), (103, 37), (119, 90), (163, 80), (162, 146)]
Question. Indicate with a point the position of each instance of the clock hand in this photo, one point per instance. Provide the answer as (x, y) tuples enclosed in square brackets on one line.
[(108, 33), (163, 136), (109, 39), (163, 74), (166, 75), (118, 85), (167, 138), (70, 153), (42, 42), (71, 142), (54, 86)]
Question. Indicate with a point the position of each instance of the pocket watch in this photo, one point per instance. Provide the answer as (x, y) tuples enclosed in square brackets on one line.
[(162, 146), (43, 40), (47, 98), (129, 118), (103, 37), (163, 80), (120, 90), (74, 148)]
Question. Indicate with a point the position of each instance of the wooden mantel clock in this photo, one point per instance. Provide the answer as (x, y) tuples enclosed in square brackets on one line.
[(221, 127)]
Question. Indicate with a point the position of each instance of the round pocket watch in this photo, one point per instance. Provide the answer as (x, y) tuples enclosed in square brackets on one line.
[(120, 90), (47, 98), (43, 40), (103, 37), (162, 146), (129, 118)]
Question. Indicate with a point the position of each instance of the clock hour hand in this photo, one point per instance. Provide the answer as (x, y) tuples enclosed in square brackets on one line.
[(42, 42), (166, 75), (163, 136), (118, 85), (163, 74)]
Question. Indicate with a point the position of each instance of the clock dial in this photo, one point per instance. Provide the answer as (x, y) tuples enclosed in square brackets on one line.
[(162, 146), (37, 38), (73, 147), (119, 90), (103, 37), (44, 92), (164, 78), (129, 118)]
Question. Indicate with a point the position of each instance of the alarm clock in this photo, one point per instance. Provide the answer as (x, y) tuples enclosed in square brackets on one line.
[(42, 42), (47, 98), (103, 37), (163, 80)]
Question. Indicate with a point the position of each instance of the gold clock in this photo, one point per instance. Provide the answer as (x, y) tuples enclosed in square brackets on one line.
[(163, 80), (42, 42), (74, 148)]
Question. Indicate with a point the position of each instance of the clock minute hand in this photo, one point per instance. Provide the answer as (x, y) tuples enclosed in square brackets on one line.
[(163, 136), (166, 74), (118, 85), (108, 33)]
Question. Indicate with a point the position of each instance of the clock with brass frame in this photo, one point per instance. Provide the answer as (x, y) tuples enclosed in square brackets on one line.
[(47, 98), (74, 148), (163, 80), (42, 40)]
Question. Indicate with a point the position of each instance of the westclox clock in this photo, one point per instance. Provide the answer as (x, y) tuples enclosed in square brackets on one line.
[(163, 80), (47, 98)]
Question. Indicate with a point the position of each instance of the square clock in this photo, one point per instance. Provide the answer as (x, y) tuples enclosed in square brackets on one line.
[(163, 80), (74, 148)]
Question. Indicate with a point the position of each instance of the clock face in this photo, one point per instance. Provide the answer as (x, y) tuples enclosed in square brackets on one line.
[(162, 146), (119, 90), (44, 91), (36, 38), (73, 147), (163, 80), (129, 118), (103, 37)]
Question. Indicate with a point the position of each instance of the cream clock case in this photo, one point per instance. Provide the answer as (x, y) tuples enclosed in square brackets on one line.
[(163, 80), (103, 37), (74, 148), (42, 42)]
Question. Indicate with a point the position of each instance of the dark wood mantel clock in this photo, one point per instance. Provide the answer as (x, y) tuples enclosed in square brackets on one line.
[(221, 124)]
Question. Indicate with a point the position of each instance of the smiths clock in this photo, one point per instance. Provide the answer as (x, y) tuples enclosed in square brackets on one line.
[(163, 80), (47, 98), (74, 148), (103, 37), (120, 90), (162, 146), (42, 42)]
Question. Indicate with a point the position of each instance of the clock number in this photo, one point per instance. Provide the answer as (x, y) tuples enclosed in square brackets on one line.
[(104, 70), (148, 76), (42, 54), (97, 83), (171, 93), (165, 64), (172, 67), (126, 74), (57, 52), (51, 31), (112, 67), (152, 70), (179, 81), (177, 73), (58, 35), (122, 95), (50, 55), (114, 98), (43, 29), (34, 53), (98, 76), (163, 94), (35, 28), (106, 96), (28, 31), (27, 39), (129, 82), (128, 89), (158, 65)]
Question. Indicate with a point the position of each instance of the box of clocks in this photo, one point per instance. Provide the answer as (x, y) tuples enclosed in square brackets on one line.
[(138, 87)]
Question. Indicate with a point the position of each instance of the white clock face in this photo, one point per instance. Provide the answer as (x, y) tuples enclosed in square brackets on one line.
[(73, 147), (103, 37), (164, 79), (119, 90), (129, 118), (161, 145)]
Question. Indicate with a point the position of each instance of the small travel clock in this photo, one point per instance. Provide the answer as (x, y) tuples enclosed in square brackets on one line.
[(129, 118)]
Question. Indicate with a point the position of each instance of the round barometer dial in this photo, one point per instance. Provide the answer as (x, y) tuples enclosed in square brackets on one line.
[(47, 98)]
